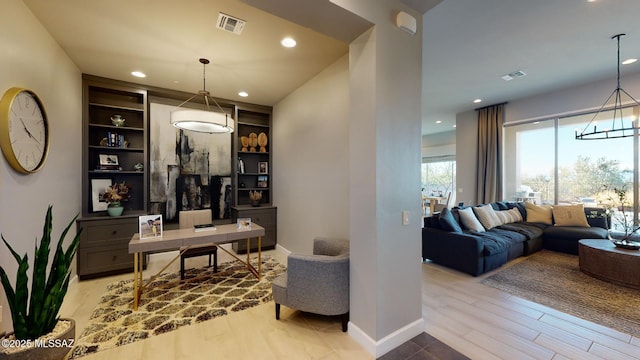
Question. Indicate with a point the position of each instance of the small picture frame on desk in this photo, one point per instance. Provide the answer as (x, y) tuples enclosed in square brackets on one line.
[(150, 226), (244, 223), (263, 167)]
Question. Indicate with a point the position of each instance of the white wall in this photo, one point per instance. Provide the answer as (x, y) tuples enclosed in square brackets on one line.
[(439, 144), (32, 59), (589, 96), (311, 167)]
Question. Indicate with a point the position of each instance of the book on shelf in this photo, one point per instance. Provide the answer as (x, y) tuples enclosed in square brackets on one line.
[(203, 227)]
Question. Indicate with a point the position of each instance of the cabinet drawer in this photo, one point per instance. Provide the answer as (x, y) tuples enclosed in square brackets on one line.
[(108, 232), (104, 259)]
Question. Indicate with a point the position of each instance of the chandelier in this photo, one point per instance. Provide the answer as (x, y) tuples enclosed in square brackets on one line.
[(621, 126), (205, 121)]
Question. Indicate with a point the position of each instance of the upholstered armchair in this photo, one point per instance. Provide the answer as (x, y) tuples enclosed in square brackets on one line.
[(317, 283), (187, 219)]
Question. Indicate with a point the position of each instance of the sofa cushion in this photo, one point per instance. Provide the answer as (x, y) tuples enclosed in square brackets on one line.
[(574, 233), (448, 222), (539, 213), (469, 220), (487, 216), (570, 215), (499, 240), (529, 230)]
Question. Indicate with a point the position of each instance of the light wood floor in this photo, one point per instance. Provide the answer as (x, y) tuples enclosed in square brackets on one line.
[(476, 320)]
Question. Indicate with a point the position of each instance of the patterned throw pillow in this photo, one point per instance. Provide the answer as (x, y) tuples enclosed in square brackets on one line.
[(509, 216), (487, 216), (570, 215)]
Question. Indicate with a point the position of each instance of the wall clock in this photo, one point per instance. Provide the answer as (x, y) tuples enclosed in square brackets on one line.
[(24, 130)]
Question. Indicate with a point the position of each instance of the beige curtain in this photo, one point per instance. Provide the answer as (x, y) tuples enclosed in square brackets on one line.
[(489, 162)]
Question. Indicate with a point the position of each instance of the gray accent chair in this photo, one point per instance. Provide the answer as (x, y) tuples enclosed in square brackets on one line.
[(317, 283)]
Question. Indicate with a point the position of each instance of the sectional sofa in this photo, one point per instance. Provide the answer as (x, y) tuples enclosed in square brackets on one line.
[(478, 239)]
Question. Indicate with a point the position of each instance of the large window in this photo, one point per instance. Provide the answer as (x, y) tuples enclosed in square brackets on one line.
[(544, 163), (439, 176)]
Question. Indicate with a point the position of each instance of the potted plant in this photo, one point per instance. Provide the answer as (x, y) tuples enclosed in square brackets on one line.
[(616, 207), (255, 197), (114, 195), (38, 324)]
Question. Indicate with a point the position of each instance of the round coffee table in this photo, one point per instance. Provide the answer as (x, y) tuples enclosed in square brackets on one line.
[(603, 260)]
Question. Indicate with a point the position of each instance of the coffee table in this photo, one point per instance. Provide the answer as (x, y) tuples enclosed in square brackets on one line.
[(603, 260)]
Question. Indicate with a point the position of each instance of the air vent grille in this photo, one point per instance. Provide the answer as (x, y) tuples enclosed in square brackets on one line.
[(230, 24), (513, 75)]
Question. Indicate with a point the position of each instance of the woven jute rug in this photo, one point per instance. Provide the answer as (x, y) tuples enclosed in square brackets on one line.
[(202, 296), (555, 280)]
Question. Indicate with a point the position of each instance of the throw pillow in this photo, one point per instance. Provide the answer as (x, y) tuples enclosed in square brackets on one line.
[(570, 215), (469, 220), (539, 213), (509, 216), (487, 216), (448, 222)]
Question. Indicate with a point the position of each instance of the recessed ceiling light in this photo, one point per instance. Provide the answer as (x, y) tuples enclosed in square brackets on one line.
[(477, 101), (288, 42), (629, 61), (139, 74), (454, 125), (439, 122), (243, 93)]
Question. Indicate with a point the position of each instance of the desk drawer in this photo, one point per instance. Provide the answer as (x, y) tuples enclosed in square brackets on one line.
[(104, 259)]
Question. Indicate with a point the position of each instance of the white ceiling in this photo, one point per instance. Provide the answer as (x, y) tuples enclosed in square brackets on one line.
[(468, 45)]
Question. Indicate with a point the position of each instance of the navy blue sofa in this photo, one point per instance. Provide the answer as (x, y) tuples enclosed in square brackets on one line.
[(478, 252)]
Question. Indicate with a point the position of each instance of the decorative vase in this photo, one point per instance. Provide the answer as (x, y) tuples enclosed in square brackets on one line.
[(115, 209), (255, 203)]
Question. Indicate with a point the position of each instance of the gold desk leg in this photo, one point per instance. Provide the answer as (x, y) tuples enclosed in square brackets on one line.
[(135, 281), (259, 257)]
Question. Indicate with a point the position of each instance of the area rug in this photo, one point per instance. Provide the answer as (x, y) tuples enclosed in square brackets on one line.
[(555, 280), (202, 296)]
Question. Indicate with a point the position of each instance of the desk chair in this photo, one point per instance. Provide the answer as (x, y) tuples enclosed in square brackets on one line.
[(439, 207), (188, 219)]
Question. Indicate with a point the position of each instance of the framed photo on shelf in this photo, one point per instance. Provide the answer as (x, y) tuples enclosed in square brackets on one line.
[(98, 187), (263, 181), (263, 167), (150, 226), (108, 160)]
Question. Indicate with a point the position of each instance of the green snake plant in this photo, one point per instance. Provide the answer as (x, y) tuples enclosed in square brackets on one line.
[(47, 294)]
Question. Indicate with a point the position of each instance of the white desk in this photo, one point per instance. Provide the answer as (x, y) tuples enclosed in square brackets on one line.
[(186, 238)]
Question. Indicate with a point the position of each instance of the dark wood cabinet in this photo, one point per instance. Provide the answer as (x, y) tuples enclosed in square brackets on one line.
[(104, 244), (265, 216)]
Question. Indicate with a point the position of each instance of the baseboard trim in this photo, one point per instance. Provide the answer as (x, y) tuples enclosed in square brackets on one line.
[(389, 342), (282, 250)]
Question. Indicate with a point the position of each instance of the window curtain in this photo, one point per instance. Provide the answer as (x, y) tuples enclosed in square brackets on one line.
[(489, 161)]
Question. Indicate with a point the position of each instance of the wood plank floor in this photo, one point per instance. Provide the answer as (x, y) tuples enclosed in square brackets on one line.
[(478, 321)]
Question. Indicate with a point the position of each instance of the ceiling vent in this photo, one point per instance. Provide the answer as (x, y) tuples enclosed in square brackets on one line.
[(230, 24), (513, 75)]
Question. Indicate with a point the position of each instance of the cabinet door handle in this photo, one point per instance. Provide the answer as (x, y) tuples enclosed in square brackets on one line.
[(114, 232), (115, 257)]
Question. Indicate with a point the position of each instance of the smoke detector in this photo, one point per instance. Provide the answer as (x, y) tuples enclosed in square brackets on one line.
[(513, 75), (230, 24)]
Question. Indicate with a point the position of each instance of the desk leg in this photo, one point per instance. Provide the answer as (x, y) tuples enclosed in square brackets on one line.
[(136, 285), (259, 257), (249, 252)]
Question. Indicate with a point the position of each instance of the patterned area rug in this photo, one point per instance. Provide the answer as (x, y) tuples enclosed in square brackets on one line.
[(555, 280), (202, 296)]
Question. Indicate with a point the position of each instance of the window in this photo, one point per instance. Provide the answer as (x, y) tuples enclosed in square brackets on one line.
[(545, 164), (439, 176)]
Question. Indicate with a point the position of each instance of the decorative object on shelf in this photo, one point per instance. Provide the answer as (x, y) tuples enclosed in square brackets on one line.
[(263, 181), (253, 141), (255, 197), (24, 130), (262, 142), (244, 140), (263, 167), (150, 226), (138, 167), (616, 207), (40, 316), (108, 162), (114, 195), (205, 121), (240, 166), (117, 120), (618, 128), (98, 187)]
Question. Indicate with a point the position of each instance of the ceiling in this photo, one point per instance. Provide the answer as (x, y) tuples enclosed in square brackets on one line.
[(468, 45)]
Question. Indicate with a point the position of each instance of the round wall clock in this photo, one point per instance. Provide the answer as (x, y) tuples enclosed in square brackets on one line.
[(24, 130)]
